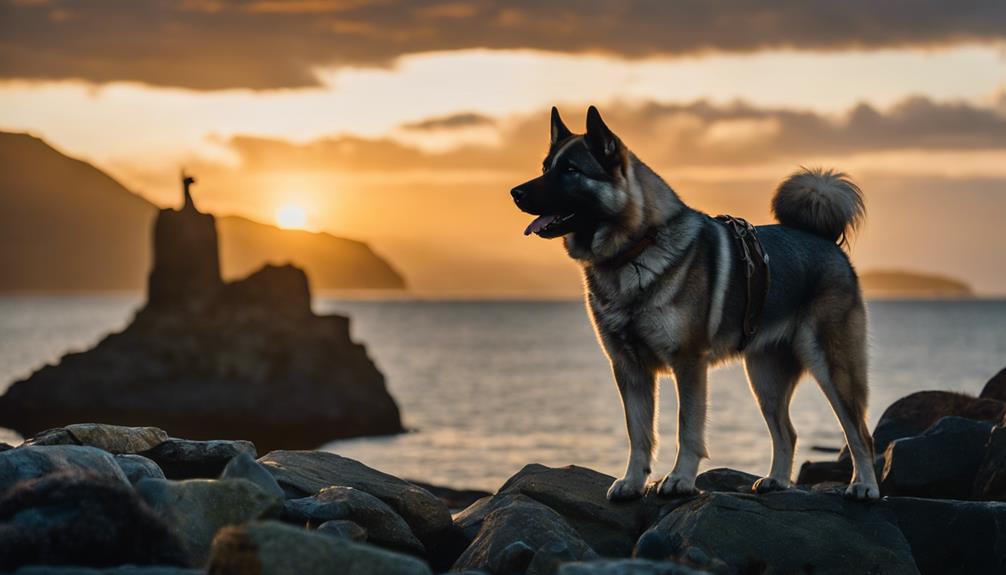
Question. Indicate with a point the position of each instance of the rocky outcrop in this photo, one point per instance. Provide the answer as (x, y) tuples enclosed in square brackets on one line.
[(307, 511), (209, 359)]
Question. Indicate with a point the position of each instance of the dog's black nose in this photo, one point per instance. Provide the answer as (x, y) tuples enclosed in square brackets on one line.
[(518, 194)]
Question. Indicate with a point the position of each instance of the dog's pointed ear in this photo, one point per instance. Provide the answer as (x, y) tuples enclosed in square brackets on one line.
[(559, 130), (602, 142)]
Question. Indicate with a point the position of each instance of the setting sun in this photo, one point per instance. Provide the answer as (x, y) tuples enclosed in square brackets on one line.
[(291, 216)]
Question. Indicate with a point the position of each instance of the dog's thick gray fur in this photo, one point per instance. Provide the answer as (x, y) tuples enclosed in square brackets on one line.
[(666, 293)]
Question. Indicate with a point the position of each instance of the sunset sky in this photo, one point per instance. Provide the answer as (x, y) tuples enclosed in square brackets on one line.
[(405, 124)]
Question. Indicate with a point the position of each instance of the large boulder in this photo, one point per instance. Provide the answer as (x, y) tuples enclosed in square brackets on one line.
[(789, 532), (578, 494), (190, 459), (271, 548), (196, 509), (913, 414), (207, 360), (953, 537), (384, 527), (35, 461), (111, 438), (516, 532), (995, 388), (76, 518), (304, 473), (940, 463)]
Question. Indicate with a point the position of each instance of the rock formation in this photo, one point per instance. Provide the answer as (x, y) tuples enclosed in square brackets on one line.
[(210, 359)]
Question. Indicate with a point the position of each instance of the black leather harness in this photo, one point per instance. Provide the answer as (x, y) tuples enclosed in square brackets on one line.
[(756, 271)]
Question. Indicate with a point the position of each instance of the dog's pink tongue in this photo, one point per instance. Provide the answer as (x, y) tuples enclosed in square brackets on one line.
[(538, 223)]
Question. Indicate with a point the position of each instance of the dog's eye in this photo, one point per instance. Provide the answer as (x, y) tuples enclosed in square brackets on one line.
[(572, 168)]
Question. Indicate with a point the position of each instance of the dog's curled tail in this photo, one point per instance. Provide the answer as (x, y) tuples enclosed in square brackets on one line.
[(823, 202)]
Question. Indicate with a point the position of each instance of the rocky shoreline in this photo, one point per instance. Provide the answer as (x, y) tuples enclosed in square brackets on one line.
[(96, 498)]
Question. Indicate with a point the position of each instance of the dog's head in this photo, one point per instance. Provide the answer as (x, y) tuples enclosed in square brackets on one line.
[(587, 192)]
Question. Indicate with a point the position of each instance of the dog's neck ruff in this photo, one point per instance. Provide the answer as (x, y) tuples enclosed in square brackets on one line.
[(756, 272), (630, 253)]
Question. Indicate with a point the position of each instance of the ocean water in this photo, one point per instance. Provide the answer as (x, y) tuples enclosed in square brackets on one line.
[(486, 387)]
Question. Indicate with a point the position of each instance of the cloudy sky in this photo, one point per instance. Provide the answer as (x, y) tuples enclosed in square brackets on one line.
[(406, 123)]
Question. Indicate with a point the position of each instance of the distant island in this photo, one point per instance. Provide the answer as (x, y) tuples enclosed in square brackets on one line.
[(66, 226), (903, 283)]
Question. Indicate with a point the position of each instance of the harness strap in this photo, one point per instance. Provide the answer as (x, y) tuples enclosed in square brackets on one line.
[(756, 272)]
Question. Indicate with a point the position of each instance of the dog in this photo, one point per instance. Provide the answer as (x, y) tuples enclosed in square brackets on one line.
[(667, 292)]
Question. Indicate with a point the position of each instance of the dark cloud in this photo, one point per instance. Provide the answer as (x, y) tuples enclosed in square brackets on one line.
[(212, 44), (454, 121), (698, 134)]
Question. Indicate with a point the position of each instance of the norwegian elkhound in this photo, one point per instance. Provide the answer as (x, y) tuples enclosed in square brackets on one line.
[(668, 292)]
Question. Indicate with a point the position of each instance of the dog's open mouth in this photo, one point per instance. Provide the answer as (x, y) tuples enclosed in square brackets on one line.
[(551, 225)]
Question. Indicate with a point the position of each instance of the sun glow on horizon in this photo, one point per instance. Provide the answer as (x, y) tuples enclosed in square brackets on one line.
[(291, 217)]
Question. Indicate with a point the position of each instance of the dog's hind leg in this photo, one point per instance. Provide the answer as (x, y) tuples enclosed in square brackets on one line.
[(638, 387), (836, 356), (690, 378), (773, 375)]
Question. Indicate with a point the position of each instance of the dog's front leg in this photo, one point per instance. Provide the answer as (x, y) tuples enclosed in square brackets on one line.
[(638, 386), (690, 378)]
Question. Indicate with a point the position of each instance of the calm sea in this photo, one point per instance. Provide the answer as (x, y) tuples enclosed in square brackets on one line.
[(486, 387)]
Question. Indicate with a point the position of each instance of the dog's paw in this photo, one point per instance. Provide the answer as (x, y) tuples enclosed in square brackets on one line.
[(671, 486), (769, 484), (626, 489), (863, 492)]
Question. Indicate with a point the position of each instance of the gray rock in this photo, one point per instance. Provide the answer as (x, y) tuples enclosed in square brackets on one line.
[(308, 472), (272, 548), (196, 509), (111, 438), (518, 519), (74, 518), (627, 567), (953, 537), (31, 462), (941, 463), (121, 570), (137, 467), (915, 413), (244, 466), (792, 532), (343, 529), (725, 479), (384, 527), (189, 459), (579, 496), (990, 480)]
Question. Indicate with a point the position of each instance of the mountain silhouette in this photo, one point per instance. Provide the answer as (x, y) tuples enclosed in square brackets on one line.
[(67, 226)]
